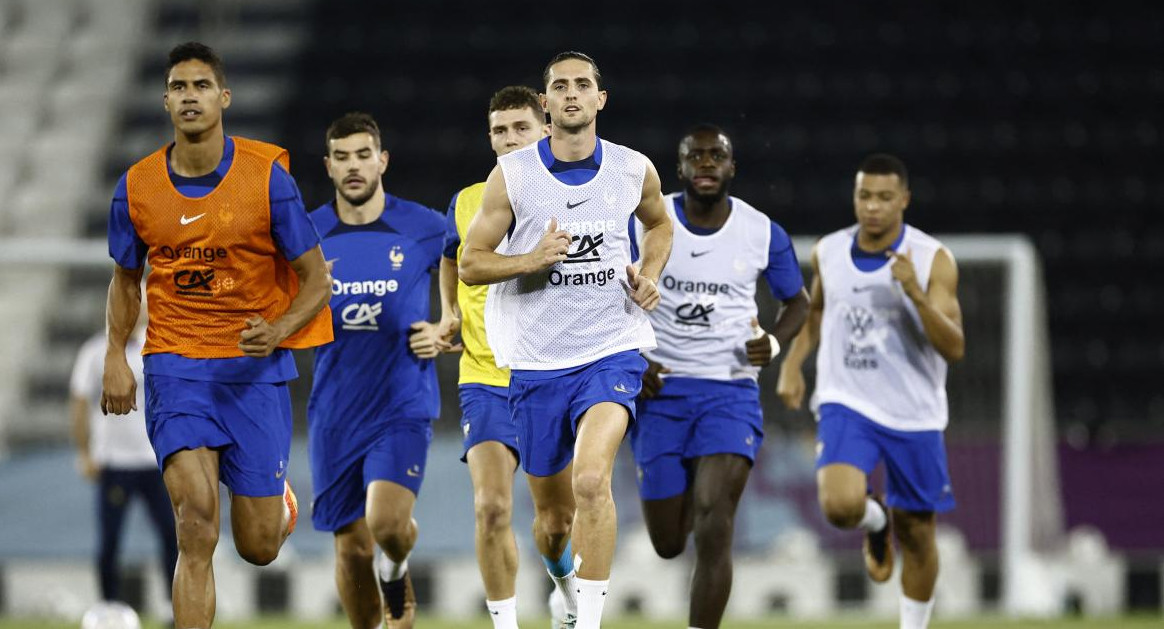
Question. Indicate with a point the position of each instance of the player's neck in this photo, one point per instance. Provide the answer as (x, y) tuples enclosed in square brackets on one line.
[(197, 155), (362, 214), (704, 215), (881, 242), (569, 145)]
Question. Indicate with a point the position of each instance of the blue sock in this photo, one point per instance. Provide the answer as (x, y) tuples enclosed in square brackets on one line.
[(561, 566)]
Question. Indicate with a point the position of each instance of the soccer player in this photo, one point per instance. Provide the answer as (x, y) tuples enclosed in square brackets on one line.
[(237, 279), (884, 307), (516, 119), (375, 392), (568, 312), (700, 425), (117, 455)]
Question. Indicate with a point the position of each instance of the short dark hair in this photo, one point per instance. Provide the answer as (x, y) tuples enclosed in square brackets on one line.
[(197, 51), (517, 97), (706, 127), (352, 123), (885, 164), (572, 54)]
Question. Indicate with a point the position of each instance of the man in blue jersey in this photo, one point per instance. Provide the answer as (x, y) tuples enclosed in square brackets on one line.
[(884, 309), (375, 390), (516, 119), (567, 312), (700, 424), (236, 280)]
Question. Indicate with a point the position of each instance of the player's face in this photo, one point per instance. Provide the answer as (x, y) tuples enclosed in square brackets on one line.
[(572, 96), (194, 98), (511, 129), (880, 202), (355, 165), (706, 167)]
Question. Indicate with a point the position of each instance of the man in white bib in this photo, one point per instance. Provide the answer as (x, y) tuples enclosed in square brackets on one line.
[(567, 312), (700, 424), (884, 308)]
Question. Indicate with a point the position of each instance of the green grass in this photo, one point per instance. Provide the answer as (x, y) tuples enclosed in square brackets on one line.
[(274, 622)]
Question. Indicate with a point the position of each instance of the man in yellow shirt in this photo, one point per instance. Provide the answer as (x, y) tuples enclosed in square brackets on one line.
[(516, 119)]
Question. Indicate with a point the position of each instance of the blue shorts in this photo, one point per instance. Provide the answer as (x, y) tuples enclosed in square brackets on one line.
[(248, 422), (917, 476), (547, 405), (690, 418), (485, 417), (345, 459)]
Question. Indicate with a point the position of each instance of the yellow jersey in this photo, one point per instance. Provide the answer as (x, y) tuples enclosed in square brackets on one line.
[(477, 363)]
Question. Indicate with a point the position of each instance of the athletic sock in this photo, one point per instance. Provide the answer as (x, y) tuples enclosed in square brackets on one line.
[(875, 518), (591, 598), (561, 570), (915, 614), (390, 570), (503, 613)]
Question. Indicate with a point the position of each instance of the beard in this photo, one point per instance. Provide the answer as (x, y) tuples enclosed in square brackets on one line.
[(363, 197), (706, 198), (575, 125)]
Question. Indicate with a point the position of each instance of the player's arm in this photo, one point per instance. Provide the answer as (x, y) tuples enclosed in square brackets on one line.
[(480, 262), (261, 337), (122, 306), (938, 306), (656, 247), (447, 280), (790, 386), (786, 282)]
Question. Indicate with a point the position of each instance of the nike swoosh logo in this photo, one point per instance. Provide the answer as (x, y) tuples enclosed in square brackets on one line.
[(413, 473), (187, 221), (280, 473), (701, 253), (621, 389), (570, 206)]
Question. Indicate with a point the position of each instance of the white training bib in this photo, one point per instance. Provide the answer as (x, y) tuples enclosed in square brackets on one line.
[(578, 310), (874, 356), (708, 291)]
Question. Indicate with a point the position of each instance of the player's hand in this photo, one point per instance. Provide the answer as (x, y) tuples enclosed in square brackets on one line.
[(88, 469), (118, 387), (447, 329), (652, 382), (644, 292), (552, 248), (904, 272), (790, 387), (762, 348), (422, 339), (259, 339)]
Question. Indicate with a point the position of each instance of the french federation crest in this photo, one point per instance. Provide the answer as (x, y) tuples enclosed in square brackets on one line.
[(396, 255)]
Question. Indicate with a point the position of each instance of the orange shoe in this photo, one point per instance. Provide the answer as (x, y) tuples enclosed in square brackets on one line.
[(399, 603), (878, 548), (292, 503)]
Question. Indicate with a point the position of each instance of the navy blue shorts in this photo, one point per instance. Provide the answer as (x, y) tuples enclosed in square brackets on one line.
[(547, 405), (344, 462), (917, 476), (485, 417), (249, 423), (690, 418)]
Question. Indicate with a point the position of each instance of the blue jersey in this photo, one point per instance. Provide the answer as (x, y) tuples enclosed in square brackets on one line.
[(292, 232), (381, 276)]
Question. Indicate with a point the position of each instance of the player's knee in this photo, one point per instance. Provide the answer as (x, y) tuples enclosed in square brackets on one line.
[(389, 528), (915, 532), (354, 554), (713, 524), (554, 523), (197, 531), (493, 513), (668, 544), (590, 488), (259, 552), (842, 511)]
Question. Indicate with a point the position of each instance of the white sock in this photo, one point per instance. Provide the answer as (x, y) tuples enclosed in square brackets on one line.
[(568, 587), (591, 598), (503, 613), (874, 519), (915, 614), (390, 570)]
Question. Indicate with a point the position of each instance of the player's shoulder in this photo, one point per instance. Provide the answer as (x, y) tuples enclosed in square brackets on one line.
[(259, 148), (918, 239), (414, 213), (748, 213), (470, 195), (323, 217), (839, 240)]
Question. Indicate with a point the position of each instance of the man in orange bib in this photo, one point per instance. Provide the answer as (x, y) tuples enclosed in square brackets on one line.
[(237, 279)]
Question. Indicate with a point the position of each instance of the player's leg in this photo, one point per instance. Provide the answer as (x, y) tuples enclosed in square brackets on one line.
[(191, 478), (112, 500), (719, 483), (847, 452), (355, 575), (153, 491), (919, 487), (659, 437), (491, 467), (554, 509)]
